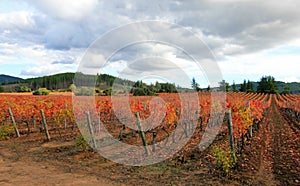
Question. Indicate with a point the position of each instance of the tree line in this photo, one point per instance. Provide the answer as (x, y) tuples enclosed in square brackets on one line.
[(104, 82)]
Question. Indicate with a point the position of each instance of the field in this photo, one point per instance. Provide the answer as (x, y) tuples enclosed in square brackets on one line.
[(264, 151)]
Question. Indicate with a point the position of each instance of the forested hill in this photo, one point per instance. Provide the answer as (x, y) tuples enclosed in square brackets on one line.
[(104, 81), (56, 82), (64, 80), (8, 79)]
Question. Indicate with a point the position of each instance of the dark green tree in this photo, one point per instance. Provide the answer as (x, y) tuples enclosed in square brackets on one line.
[(1, 89), (195, 85), (286, 90), (224, 85), (243, 87), (22, 88), (208, 88), (267, 84), (249, 86), (234, 89)]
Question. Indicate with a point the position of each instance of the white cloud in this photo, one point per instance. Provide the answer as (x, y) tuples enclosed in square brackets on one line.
[(21, 20), (67, 9), (238, 32), (291, 79), (283, 67)]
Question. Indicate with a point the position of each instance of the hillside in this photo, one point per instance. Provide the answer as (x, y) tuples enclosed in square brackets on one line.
[(8, 79), (104, 81), (59, 81)]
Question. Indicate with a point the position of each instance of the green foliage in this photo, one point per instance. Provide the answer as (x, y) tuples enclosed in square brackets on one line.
[(195, 85), (247, 86), (53, 82), (243, 87), (81, 144), (208, 88), (141, 89), (5, 79), (286, 90), (108, 92), (6, 131), (41, 91), (224, 85), (22, 88), (84, 91), (144, 91), (225, 160), (72, 87), (1, 89), (234, 89), (167, 88), (267, 84)]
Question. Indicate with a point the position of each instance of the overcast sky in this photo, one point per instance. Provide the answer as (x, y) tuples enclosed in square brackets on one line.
[(248, 38)]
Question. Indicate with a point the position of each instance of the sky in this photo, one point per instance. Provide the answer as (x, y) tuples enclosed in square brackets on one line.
[(245, 39)]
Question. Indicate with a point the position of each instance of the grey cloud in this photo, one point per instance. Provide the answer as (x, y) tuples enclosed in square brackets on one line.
[(62, 62), (227, 27)]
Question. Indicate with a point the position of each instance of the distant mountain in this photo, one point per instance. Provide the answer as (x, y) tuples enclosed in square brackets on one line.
[(8, 79)]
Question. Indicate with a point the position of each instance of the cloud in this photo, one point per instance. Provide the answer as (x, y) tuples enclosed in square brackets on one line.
[(64, 36), (62, 62), (283, 67), (233, 30), (40, 70), (66, 10)]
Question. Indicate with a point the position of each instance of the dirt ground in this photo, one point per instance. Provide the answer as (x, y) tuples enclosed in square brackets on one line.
[(271, 157)]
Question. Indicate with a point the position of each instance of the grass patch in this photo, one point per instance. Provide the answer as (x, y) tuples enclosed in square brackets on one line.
[(6, 132), (225, 160)]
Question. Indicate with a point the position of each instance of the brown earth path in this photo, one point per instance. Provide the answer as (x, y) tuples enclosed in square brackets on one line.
[(272, 156), (16, 169)]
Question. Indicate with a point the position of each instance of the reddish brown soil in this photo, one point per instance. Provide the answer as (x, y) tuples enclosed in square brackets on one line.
[(272, 156)]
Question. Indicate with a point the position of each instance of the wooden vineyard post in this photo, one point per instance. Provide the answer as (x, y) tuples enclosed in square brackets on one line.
[(34, 123), (154, 134), (14, 122), (65, 124), (231, 139), (142, 133), (65, 120), (91, 129), (45, 125)]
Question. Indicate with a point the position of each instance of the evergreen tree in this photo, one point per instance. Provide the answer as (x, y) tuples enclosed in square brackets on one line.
[(250, 86), (224, 85), (208, 88), (243, 86), (267, 84), (234, 89), (286, 90), (195, 85)]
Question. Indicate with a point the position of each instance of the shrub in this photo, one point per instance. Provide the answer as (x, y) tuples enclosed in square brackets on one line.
[(144, 91), (41, 91), (22, 88), (84, 91), (81, 144), (71, 88), (6, 131), (1, 89), (225, 160), (108, 92)]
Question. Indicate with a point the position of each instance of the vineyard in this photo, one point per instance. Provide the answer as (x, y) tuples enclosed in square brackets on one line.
[(255, 132)]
